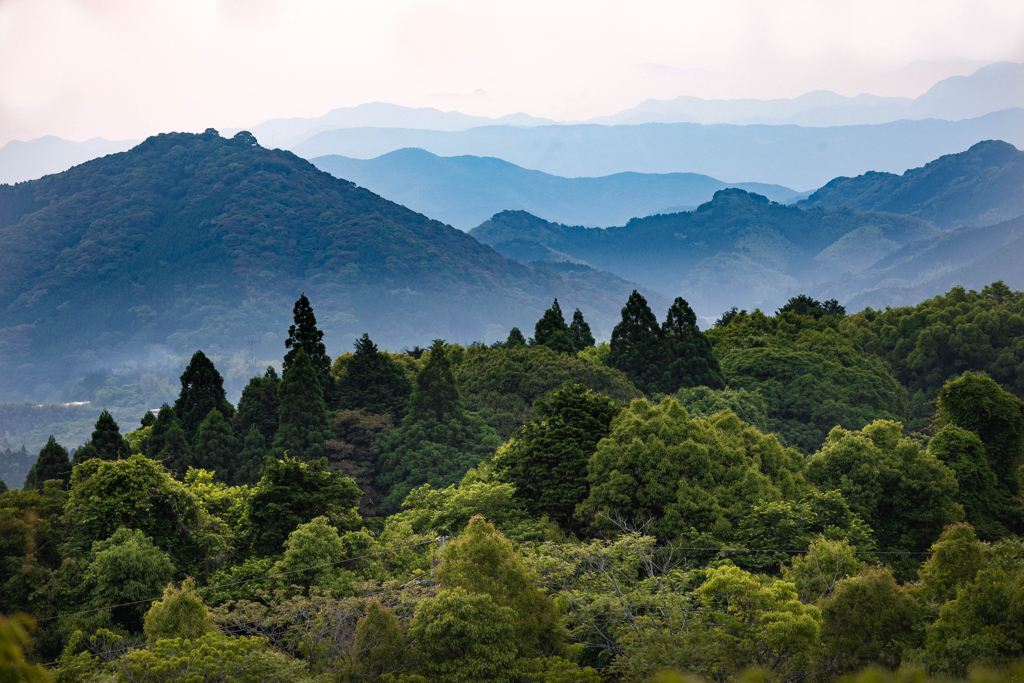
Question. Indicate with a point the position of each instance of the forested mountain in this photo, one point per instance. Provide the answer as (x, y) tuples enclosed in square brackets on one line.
[(197, 240), (981, 186), (464, 191), (738, 249)]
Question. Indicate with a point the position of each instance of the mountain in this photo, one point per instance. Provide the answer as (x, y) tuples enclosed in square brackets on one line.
[(464, 191), (982, 186), (287, 133), (739, 249), (991, 88), (21, 161), (793, 156), (195, 241)]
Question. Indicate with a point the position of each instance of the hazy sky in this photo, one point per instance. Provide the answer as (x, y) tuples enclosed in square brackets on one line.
[(130, 68)]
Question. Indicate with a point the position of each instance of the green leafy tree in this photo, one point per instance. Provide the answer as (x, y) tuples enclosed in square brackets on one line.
[(259, 405), (250, 459), (545, 457), (703, 402), (215, 447), (373, 382), (305, 335), (801, 304), (180, 614), (816, 574), (637, 348), (438, 441), (155, 443), (957, 557), (127, 568), (552, 332), (463, 637), (350, 452), (582, 338), (291, 493), (202, 390), (14, 639), (313, 554), (52, 463), (175, 454), (482, 561), (515, 339), (693, 359), (380, 643), (302, 416)]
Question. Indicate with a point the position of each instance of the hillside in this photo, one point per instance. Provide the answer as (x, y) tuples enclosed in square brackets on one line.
[(982, 186), (799, 157), (738, 249), (464, 191), (191, 241)]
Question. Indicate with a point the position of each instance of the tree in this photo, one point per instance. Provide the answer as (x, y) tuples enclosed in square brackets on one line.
[(147, 419), (259, 405), (157, 435), (463, 638), (14, 639), (350, 452), (515, 339), (704, 402), (52, 463), (483, 562), (817, 574), (305, 335), (802, 304), (302, 415), (312, 556), (545, 457), (373, 382), (637, 348), (957, 557), (582, 338), (215, 447), (693, 360), (127, 568), (180, 614), (437, 440), (202, 390), (380, 643), (291, 493), (107, 439), (250, 460), (176, 455), (552, 332)]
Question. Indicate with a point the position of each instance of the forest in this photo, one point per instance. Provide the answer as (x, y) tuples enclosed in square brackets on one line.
[(804, 494)]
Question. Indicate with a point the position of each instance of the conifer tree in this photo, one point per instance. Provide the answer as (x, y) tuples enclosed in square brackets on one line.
[(304, 334), (175, 454), (258, 405), (694, 363), (147, 419), (52, 463), (107, 439), (515, 338), (161, 425), (637, 347), (552, 332), (437, 441), (215, 447), (302, 415), (250, 460), (202, 390), (373, 382), (582, 338)]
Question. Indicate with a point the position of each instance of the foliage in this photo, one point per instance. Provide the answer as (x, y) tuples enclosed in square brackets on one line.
[(52, 463), (126, 573), (552, 332), (370, 380), (543, 460), (582, 338), (180, 614), (637, 348), (350, 452), (258, 405), (703, 402), (816, 574), (106, 442), (801, 304), (313, 556), (215, 447), (693, 361), (202, 390), (515, 338), (14, 637), (175, 454), (158, 432), (306, 336), (302, 415), (956, 558), (380, 643), (250, 459)]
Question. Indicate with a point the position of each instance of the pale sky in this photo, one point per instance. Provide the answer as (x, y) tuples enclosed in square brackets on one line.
[(124, 69)]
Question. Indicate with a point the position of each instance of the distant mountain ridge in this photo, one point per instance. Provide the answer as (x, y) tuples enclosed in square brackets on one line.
[(193, 241), (20, 161), (465, 191), (981, 186)]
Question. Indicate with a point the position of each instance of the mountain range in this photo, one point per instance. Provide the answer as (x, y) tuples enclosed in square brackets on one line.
[(21, 161), (464, 191), (194, 241)]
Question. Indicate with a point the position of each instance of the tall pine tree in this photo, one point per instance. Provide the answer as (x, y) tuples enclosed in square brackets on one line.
[(202, 390), (52, 463), (215, 447), (373, 382), (250, 460), (515, 338), (638, 349), (175, 453), (107, 439), (302, 415), (694, 363), (579, 330), (552, 332), (155, 443), (258, 405), (304, 334)]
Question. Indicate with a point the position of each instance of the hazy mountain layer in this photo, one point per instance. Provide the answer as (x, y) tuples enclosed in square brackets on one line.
[(465, 191), (193, 241), (738, 249), (982, 186), (21, 161), (801, 158)]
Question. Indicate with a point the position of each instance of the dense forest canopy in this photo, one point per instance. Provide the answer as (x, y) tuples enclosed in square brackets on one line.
[(803, 494)]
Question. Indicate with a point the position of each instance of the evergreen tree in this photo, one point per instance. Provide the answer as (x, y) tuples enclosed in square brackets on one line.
[(437, 441), (302, 415), (258, 405), (147, 419), (551, 330), (202, 390), (515, 338), (107, 439), (175, 454), (52, 463), (694, 363), (637, 348), (161, 426), (250, 460), (304, 334), (215, 447), (580, 332), (373, 382)]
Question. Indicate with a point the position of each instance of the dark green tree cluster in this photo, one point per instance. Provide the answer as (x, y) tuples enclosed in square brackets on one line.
[(373, 382)]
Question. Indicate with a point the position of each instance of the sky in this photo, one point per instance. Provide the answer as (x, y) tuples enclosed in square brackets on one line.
[(126, 69)]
